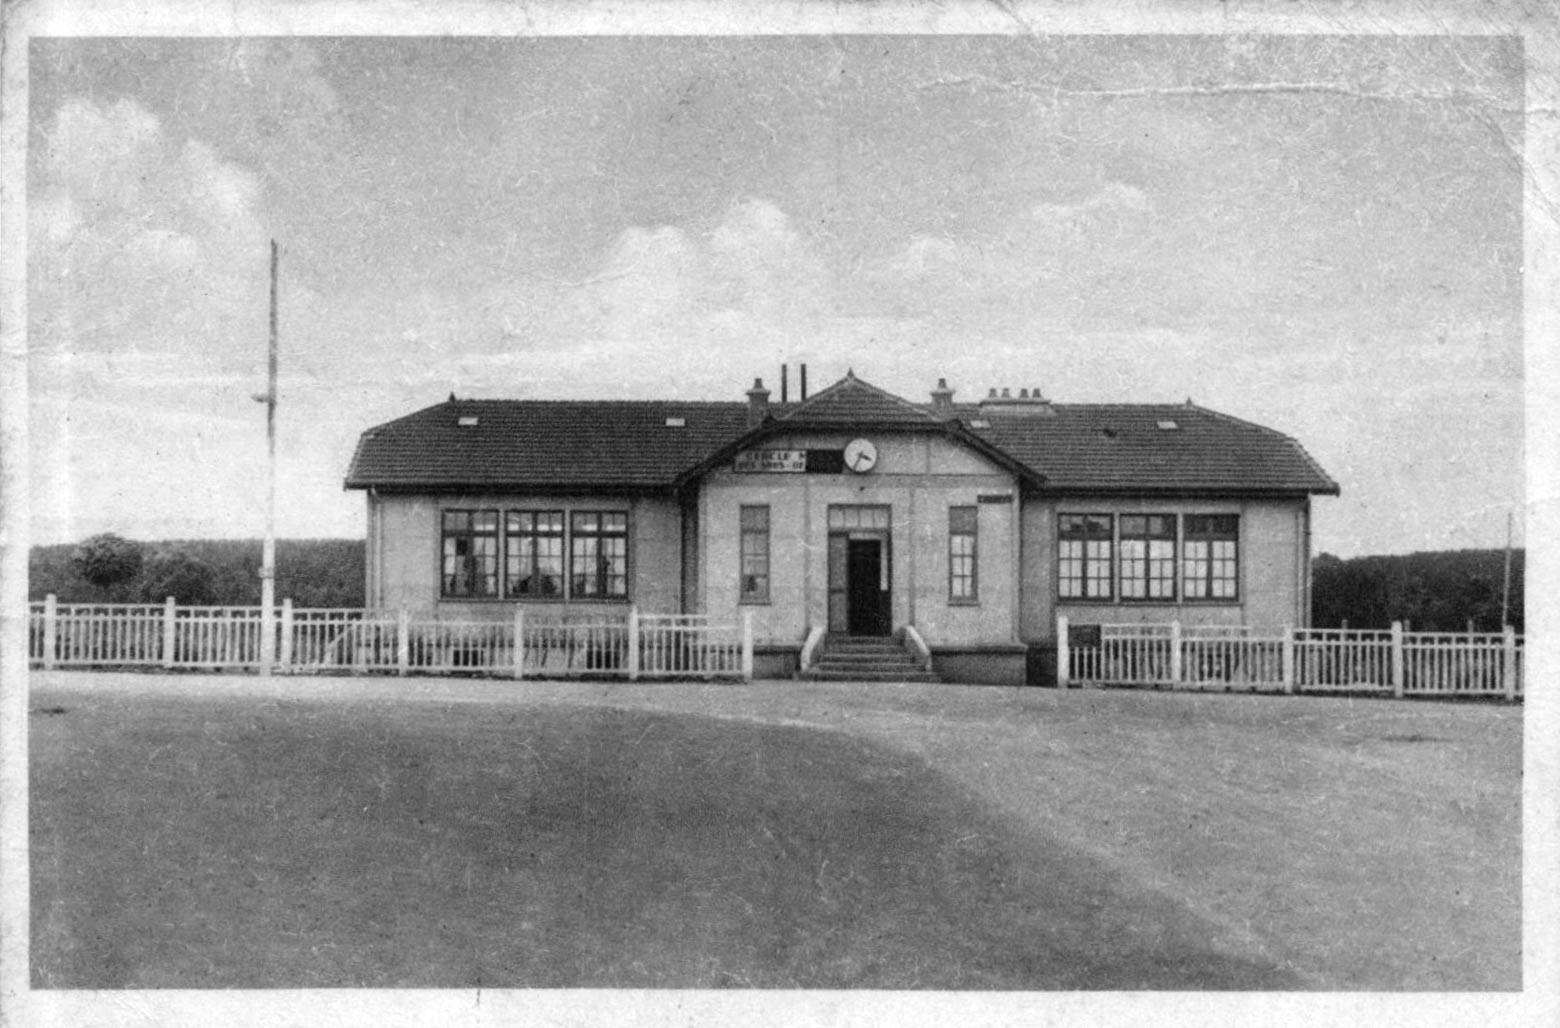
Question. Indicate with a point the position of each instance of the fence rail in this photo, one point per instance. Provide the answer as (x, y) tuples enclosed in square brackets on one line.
[(1394, 662), (358, 640)]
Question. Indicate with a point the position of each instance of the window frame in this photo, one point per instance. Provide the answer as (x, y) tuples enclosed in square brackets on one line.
[(1147, 561), (599, 534), (1084, 578), (956, 531), (1193, 534), (761, 536), (534, 536), (471, 534)]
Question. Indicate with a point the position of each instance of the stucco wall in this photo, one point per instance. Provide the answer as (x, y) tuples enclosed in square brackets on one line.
[(918, 477), (1274, 567), (405, 570)]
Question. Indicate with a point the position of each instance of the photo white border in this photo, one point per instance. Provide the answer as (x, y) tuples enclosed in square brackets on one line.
[(1534, 21)]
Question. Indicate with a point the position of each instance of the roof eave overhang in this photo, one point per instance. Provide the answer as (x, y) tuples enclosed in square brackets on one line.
[(1192, 492), (403, 488)]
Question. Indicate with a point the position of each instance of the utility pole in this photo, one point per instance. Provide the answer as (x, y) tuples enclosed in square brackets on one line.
[(1505, 591), (268, 552)]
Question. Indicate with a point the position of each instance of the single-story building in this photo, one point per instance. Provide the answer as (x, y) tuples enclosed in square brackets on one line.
[(852, 512)]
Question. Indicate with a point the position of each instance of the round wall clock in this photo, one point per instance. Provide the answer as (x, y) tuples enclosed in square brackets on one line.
[(860, 456)]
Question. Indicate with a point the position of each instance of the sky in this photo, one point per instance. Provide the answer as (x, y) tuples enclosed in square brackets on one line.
[(1322, 234)]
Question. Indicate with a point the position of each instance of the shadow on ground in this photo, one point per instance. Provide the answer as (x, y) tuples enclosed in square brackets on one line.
[(203, 843)]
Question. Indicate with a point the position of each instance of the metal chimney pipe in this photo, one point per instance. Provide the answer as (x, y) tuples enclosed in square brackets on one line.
[(785, 383), (804, 382)]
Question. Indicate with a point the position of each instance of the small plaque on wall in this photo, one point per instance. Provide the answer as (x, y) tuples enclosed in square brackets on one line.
[(994, 498)]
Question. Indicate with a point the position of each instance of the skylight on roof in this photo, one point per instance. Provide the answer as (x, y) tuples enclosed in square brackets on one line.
[(676, 422), (980, 423), (469, 421), (1168, 425)]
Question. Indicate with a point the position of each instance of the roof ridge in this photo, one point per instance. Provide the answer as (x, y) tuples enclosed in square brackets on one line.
[(850, 379)]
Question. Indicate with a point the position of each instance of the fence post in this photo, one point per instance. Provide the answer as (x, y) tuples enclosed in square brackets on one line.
[(1508, 664), (170, 630), (403, 641), (51, 629), (267, 635), (1289, 659), (1175, 652), (519, 641), (633, 643), (285, 660), (1063, 653), (747, 645), (1397, 659)]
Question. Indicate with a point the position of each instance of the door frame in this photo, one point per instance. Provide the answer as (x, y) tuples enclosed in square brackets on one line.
[(839, 591)]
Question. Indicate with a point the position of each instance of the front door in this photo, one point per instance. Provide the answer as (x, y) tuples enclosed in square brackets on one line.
[(860, 570), (867, 575)]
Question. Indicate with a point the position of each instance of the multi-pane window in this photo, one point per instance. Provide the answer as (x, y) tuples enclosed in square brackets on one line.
[(1084, 556), (754, 526), (863, 516), (1210, 565), (598, 555), (533, 553), (963, 584), (470, 553), (1148, 556)]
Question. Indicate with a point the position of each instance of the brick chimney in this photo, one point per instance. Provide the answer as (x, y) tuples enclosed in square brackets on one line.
[(942, 397), (758, 403)]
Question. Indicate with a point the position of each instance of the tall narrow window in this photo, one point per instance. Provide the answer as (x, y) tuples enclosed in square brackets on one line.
[(1210, 569), (755, 554), (963, 583), (1148, 556), (1084, 557), (598, 557), (470, 566), (533, 552)]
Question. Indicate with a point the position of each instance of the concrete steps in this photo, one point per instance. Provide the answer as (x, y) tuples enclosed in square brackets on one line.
[(866, 659)]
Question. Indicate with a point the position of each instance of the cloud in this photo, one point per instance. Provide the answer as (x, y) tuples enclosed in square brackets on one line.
[(139, 240)]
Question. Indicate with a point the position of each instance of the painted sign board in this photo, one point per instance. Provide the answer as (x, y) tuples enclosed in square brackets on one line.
[(771, 461)]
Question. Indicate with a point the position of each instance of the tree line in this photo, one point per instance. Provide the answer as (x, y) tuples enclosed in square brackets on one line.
[(1433, 592), (215, 572), (1442, 591)]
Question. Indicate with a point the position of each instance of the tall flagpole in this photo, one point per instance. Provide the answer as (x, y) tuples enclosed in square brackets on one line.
[(268, 552), (1505, 591)]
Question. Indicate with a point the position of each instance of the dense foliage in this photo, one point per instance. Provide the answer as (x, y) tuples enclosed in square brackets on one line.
[(1431, 592), (107, 560), (312, 572)]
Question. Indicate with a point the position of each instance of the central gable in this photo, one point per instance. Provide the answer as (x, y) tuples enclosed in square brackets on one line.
[(850, 401)]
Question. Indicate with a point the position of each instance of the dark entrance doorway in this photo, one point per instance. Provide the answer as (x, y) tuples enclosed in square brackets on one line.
[(867, 605), (859, 598)]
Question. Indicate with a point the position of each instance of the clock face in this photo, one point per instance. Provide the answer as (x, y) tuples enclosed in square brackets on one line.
[(860, 456)]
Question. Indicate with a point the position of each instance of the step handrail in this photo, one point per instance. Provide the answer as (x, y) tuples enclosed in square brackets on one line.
[(918, 647), (815, 634)]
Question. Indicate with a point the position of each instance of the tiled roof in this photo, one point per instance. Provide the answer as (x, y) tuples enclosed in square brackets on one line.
[(850, 401), (544, 442), (632, 444), (1124, 447)]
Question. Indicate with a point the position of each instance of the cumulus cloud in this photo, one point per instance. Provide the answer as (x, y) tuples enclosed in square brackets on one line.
[(147, 310), (139, 240)]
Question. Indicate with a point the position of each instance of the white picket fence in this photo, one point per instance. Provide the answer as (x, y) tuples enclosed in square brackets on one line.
[(1307, 660), (523, 645)]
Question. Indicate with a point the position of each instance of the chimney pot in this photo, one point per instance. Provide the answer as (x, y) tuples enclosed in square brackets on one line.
[(942, 396), (1023, 394), (993, 394), (1005, 394), (758, 403)]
